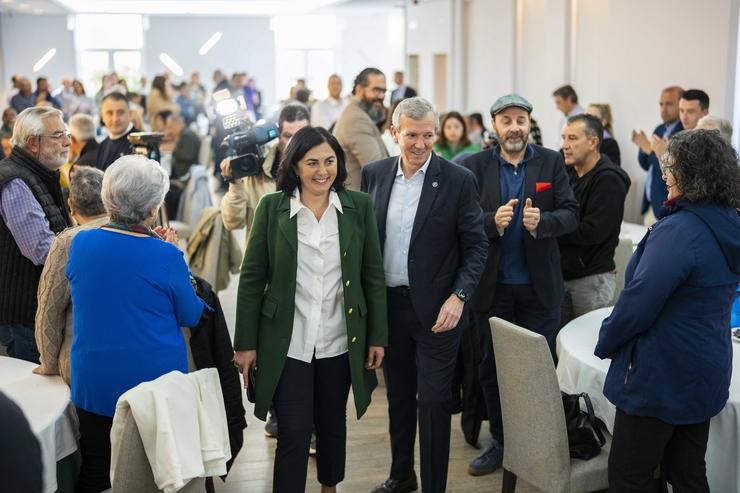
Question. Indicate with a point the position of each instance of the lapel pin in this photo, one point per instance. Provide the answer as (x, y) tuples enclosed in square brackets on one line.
[(435, 184)]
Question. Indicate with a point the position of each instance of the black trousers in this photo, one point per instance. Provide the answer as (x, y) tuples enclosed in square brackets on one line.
[(308, 394), (95, 451), (518, 304), (641, 444), (419, 363)]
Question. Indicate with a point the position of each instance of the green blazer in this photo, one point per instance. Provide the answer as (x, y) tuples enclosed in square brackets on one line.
[(266, 296)]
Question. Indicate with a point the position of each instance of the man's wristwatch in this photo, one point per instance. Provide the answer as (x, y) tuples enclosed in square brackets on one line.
[(460, 293)]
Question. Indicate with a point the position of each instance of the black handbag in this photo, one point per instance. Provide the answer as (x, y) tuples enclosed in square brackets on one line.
[(585, 438)]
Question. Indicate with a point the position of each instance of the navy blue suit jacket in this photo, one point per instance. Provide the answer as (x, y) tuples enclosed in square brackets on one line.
[(448, 245), (658, 192)]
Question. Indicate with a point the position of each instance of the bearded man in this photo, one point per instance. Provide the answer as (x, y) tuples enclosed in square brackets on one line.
[(357, 127), (527, 204)]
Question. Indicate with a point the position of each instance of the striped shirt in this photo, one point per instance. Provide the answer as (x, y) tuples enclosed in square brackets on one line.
[(26, 221)]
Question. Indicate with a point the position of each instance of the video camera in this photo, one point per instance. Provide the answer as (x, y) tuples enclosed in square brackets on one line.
[(245, 141), (146, 144)]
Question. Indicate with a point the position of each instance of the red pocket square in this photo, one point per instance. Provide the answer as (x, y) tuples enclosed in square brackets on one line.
[(541, 186)]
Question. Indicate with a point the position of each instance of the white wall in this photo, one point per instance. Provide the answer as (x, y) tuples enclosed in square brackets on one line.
[(247, 45), (25, 38), (430, 32), (369, 37), (619, 52)]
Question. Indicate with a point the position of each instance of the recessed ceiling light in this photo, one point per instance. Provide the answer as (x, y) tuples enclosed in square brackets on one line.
[(44, 59), (210, 43), (171, 64)]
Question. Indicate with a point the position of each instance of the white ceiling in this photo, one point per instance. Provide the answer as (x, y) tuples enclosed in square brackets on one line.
[(178, 7)]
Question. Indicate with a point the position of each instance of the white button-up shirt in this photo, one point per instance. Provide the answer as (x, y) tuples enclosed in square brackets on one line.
[(319, 326), (399, 224)]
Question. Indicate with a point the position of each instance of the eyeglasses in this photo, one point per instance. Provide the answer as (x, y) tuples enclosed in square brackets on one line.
[(58, 135), (663, 162)]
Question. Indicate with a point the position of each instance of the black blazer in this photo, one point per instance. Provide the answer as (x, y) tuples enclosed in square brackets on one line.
[(448, 244), (558, 216)]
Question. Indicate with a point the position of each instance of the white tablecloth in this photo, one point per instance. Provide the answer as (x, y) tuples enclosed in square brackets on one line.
[(46, 403), (580, 371), (633, 232)]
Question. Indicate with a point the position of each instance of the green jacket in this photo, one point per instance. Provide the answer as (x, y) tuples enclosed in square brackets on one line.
[(266, 296)]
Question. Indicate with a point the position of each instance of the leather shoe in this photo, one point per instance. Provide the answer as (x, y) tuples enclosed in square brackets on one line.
[(488, 462), (391, 485)]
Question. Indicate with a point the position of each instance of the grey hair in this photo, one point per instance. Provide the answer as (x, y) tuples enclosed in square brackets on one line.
[(416, 108), (30, 123), (722, 124), (82, 127), (133, 187), (705, 167), (85, 186)]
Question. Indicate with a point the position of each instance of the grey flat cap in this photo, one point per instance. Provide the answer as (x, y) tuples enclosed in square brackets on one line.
[(509, 101)]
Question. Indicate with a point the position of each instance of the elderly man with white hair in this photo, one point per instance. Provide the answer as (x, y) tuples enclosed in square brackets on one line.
[(84, 148), (131, 292), (712, 122), (32, 212)]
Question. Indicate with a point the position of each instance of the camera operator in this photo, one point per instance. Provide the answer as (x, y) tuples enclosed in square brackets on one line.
[(239, 203), (116, 115), (185, 145)]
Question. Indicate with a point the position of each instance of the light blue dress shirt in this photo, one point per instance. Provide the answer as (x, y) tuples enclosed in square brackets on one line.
[(399, 224)]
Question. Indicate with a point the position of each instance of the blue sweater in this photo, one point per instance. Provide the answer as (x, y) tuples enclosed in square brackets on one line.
[(130, 296), (668, 335)]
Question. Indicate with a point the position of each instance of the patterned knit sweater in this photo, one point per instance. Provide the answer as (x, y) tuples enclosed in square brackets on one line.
[(54, 313)]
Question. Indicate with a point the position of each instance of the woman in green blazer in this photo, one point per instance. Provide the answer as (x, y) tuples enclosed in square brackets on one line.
[(311, 308)]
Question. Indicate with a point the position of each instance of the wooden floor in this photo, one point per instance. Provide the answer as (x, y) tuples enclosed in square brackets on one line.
[(368, 457), (368, 445)]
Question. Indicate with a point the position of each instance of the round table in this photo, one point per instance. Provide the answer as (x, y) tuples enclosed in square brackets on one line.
[(45, 401), (580, 371)]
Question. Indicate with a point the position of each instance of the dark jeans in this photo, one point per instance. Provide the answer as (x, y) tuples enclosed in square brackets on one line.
[(20, 340), (518, 304), (641, 444), (311, 394), (419, 363), (95, 450)]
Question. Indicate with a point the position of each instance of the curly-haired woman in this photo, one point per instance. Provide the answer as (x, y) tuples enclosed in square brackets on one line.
[(669, 334)]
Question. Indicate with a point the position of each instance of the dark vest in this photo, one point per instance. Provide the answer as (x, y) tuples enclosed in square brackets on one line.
[(19, 277)]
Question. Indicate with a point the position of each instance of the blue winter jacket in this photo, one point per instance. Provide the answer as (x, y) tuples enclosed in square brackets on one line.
[(668, 335)]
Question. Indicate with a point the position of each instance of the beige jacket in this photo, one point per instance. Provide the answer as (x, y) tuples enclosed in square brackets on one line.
[(54, 312), (239, 203), (361, 141)]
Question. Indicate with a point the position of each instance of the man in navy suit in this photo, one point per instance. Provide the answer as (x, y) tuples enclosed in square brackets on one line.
[(527, 204), (434, 249), (655, 190)]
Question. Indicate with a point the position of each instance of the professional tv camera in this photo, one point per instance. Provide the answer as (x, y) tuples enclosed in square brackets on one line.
[(245, 141), (146, 144)]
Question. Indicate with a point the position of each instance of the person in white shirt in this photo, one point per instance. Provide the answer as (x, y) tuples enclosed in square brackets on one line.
[(311, 311), (325, 112), (566, 100)]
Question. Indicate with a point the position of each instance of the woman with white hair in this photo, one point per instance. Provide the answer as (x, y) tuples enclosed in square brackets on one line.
[(131, 293)]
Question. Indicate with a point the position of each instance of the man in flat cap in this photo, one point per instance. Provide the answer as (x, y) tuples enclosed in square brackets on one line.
[(527, 203)]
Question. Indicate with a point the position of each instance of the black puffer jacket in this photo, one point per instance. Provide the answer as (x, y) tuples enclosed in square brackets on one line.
[(210, 344)]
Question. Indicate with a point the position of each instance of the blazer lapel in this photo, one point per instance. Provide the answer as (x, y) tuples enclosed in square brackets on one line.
[(429, 191), (287, 225), (531, 175), (492, 192), (347, 221), (383, 196)]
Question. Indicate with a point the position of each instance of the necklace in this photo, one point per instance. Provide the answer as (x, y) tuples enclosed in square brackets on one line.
[(131, 228)]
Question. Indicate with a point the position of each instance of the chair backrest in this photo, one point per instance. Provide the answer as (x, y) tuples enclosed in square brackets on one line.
[(622, 255), (209, 272), (536, 441), (131, 471)]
